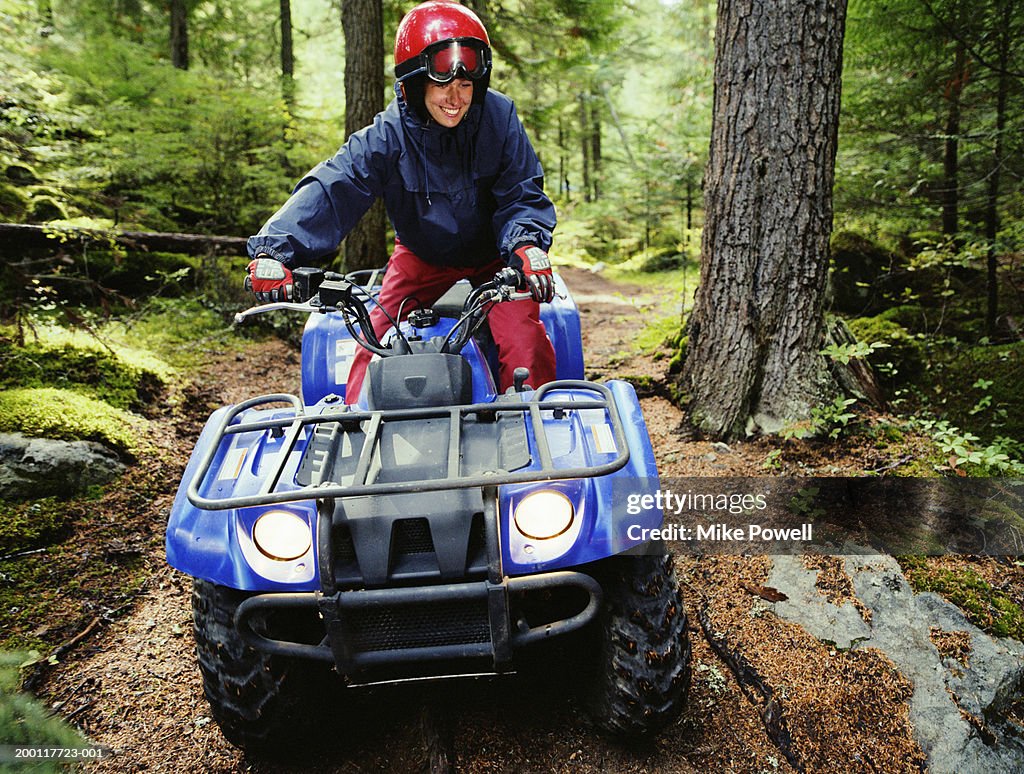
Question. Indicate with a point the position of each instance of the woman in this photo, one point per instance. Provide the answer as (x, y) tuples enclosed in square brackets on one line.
[(460, 181)]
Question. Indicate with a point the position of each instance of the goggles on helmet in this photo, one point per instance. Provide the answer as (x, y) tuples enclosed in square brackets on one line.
[(449, 59)]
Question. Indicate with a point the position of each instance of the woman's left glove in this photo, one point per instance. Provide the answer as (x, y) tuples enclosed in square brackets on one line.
[(269, 280), (536, 268)]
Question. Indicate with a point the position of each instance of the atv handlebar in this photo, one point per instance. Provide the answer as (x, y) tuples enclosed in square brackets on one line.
[(323, 292)]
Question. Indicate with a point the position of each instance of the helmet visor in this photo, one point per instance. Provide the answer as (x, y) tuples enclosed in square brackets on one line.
[(452, 59), (446, 60)]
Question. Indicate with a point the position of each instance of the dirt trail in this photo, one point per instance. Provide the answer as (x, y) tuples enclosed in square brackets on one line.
[(134, 685)]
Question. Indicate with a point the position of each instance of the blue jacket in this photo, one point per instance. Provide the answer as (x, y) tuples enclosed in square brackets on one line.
[(456, 197)]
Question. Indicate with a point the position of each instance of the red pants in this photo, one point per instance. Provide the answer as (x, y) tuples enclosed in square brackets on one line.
[(515, 325)]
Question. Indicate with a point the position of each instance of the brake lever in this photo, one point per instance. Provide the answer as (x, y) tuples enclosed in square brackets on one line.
[(277, 306)]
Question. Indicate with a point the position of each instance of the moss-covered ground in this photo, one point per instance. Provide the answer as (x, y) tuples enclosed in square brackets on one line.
[(65, 563), (994, 610)]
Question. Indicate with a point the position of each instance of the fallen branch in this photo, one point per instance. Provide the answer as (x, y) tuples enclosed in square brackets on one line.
[(22, 553), (755, 689), (901, 461), (36, 669), (70, 644)]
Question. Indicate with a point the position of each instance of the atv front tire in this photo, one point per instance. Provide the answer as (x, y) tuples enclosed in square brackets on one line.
[(642, 669), (263, 704)]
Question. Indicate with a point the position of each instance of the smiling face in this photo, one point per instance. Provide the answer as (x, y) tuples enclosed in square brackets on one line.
[(448, 103)]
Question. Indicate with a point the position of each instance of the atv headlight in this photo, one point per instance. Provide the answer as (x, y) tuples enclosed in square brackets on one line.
[(281, 535), (543, 515)]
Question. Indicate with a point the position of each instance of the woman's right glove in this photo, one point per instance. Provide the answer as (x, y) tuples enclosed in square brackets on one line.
[(269, 280), (536, 268)]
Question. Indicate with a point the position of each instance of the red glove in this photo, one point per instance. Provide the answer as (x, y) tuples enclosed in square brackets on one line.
[(269, 280), (536, 268)]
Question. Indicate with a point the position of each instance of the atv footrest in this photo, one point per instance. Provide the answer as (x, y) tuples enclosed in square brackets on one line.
[(446, 622)]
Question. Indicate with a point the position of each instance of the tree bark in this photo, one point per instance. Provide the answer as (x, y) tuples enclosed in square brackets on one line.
[(595, 143), (363, 27), (45, 10), (179, 34), (951, 161), (757, 328), (992, 203), (585, 145), (287, 57)]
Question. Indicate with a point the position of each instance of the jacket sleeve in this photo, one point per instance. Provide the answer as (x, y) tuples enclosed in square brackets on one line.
[(524, 215), (328, 202)]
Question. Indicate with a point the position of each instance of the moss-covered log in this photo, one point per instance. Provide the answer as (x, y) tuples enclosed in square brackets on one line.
[(17, 237)]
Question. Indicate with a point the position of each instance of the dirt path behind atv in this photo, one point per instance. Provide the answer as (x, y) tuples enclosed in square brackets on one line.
[(134, 685)]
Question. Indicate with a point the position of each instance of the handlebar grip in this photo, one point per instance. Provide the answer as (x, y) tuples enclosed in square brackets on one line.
[(513, 278)]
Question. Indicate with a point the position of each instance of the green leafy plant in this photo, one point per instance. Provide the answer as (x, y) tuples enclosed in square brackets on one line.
[(771, 460), (804, 503), (830, 420), (963, 447), (844, 353)]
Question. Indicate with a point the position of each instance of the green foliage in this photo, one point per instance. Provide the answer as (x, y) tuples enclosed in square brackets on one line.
[(986, 607), (154, 119), (805, 503), (892, 351), (967, 454), (177, 331), (844, 353), (62, 414), (115, 132), (828, 419), (905, 98), (979, 387), (14, 203), (772, 460), (657, 333), (25, 721)]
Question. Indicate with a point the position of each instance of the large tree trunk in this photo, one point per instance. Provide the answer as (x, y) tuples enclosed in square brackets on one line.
[(362, 23), (179, 34), (757, 327)]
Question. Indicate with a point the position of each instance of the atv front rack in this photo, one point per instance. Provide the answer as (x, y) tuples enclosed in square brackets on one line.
[(371, 425)]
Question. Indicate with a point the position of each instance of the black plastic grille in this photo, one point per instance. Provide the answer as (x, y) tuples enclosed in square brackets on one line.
[(344, 549), (398, 627), (412, 536)]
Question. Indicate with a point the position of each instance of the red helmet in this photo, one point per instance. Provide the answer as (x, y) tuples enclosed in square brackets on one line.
[(440, 39)]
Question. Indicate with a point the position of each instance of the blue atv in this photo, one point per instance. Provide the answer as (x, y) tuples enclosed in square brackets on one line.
[(435, 528)]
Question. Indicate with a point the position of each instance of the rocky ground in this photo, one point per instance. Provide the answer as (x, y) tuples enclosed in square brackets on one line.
[(799, 664)]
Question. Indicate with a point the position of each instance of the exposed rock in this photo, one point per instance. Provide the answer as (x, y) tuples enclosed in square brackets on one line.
[(41, 467), (956, 707)]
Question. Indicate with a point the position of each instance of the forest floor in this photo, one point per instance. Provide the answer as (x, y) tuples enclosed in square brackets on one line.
[(803, 704)]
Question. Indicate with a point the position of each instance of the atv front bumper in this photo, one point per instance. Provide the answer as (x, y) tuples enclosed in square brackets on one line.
[(461, 628)]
